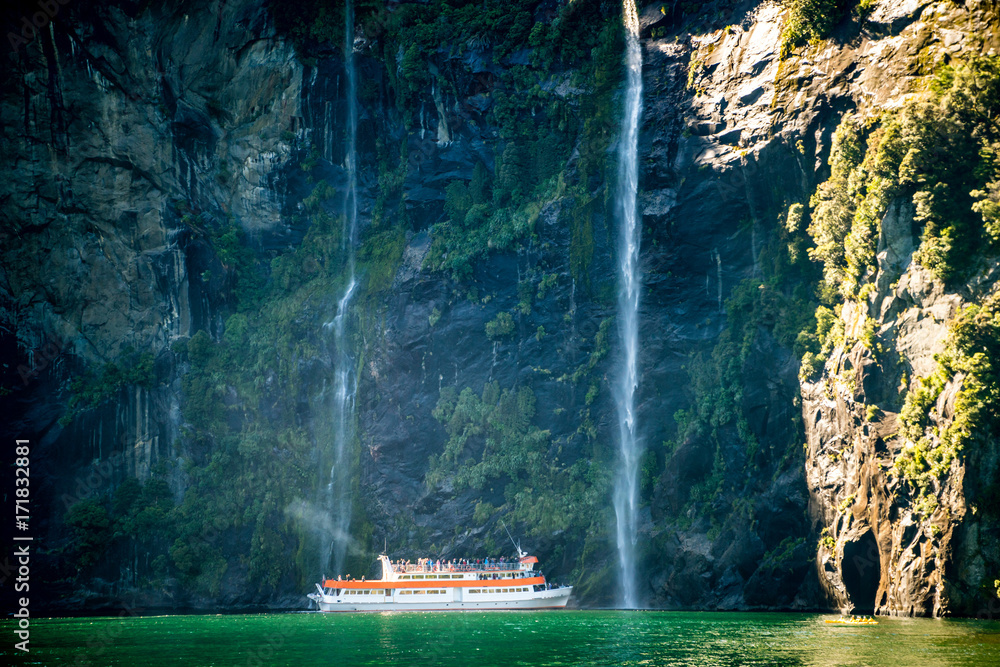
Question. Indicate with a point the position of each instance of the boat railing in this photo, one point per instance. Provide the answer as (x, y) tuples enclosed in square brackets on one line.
[(443, 568)]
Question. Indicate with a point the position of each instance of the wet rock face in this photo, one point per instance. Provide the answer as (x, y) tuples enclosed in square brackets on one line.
[(112, 117)]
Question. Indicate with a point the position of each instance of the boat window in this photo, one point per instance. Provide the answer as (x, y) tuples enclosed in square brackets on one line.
[(456, 576), (417, 576)]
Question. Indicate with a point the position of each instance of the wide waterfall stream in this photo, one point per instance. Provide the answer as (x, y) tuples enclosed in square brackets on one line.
[(626, 485)]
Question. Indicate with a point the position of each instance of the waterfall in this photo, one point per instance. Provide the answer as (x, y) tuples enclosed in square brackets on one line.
[(626, 495), (338, 489)]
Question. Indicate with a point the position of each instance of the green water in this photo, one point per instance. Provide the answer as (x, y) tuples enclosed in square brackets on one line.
[(482, 639)]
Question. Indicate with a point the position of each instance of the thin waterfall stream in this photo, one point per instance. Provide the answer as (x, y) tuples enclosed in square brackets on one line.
[(626, 494), (338, 489)]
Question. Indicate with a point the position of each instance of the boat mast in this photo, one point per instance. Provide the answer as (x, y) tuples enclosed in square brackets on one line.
[(517, 545)]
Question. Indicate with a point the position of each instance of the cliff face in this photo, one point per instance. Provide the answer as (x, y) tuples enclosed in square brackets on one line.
[(116, 130), (111, 125), (895, 537), (182, 170)]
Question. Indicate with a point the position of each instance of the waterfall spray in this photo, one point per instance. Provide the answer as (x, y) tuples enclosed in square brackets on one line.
[(338, 489), (626, 494)]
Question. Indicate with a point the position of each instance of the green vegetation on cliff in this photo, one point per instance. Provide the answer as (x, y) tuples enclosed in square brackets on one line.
[(537, 130), (92, 389), (971, 358), (814, 20), (940, 152), (849, 206), (493, 443)]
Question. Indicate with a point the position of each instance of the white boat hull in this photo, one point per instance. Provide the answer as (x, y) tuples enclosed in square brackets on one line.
[(555, 598)]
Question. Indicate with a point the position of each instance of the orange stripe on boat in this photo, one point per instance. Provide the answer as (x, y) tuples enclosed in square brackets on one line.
[(435, 583)]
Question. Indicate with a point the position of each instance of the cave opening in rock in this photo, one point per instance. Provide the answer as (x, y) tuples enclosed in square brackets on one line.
[(860, 569)]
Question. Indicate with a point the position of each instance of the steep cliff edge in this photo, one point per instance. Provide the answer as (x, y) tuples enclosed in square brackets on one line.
[(174, 226), (901, 454)]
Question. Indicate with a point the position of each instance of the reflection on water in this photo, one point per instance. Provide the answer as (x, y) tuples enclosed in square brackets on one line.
[(483, 639)]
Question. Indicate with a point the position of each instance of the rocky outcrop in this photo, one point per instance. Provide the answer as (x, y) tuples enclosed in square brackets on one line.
[(875, 552), (883, 549)]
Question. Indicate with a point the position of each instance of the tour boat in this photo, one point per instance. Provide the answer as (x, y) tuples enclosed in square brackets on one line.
[(430, 585)]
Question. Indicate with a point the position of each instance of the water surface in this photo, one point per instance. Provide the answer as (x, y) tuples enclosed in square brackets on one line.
[(484, 639)]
